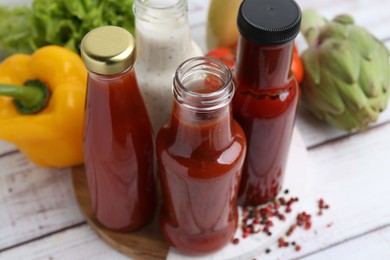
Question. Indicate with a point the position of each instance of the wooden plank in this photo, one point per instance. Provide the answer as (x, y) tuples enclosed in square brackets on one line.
[(376, 246), (33, 201), (77, 243), (5, 148), (352, 175)]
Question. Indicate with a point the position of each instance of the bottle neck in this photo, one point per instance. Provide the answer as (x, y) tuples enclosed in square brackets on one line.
[(111, 78), (167, 12), (202, 114), (263, 67), (211, 131), (163, 36)]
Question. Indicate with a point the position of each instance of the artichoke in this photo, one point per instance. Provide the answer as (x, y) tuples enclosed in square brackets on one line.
[(347, 72)]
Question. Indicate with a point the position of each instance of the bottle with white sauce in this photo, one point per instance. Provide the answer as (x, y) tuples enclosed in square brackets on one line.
[(163, 42)]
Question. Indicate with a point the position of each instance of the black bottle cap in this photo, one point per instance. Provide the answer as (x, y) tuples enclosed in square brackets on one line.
[(269, 21)]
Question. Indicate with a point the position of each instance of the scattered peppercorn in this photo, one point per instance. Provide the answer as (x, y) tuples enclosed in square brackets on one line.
[(329, 224), (291, 229), (321, 206), (304, 220), (258, 219)]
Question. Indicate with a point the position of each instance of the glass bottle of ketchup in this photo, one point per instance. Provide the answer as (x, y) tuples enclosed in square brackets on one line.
[(267, 93), (200, 153), (118, 140)]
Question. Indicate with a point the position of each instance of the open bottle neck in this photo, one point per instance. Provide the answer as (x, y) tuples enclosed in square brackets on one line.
[(111, 78), (263, 67), (210, 131), (202, 116)]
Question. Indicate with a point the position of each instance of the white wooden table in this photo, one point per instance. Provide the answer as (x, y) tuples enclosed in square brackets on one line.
[(39, 217)]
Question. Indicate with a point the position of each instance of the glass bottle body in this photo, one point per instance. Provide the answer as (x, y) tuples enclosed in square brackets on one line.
[(200, 153), (163, 41), (265, 106), (119, 152)]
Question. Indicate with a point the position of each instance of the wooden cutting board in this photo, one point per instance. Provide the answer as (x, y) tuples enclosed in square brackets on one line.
[(146, 243)]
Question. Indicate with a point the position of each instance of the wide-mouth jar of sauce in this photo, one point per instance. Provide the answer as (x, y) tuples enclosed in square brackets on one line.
[(118, 139), (200, 154)]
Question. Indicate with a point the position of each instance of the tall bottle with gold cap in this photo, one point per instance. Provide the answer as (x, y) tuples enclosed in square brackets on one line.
[(118, 139)]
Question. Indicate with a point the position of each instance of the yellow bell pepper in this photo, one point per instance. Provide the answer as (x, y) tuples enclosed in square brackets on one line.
[(42, 105)]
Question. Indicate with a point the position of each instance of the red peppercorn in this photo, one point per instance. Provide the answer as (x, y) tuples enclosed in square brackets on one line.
[(236, 241), (291, 229), (308, 225), (247, 229), (329, 224), (297, 248), (266, 229), (263, 212), (290, 201), (281, 242)]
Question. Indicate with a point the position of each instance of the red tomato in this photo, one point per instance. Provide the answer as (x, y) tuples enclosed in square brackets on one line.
[(226, 55), (297, 66)]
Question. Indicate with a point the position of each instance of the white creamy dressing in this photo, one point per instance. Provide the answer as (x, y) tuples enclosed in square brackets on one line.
[(161, 48)]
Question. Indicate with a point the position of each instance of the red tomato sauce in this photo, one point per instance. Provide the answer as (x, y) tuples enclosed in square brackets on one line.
[(119, 151), (265, 106), (200, 159)]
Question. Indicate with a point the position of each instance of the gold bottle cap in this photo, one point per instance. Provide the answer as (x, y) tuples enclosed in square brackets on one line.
[(108, 50)]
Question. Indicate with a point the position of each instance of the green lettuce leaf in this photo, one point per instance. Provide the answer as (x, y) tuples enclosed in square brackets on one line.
[(15, 33), (60, 22)]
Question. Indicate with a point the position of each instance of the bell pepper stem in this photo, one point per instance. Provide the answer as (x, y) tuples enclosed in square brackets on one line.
[(28, 99)]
